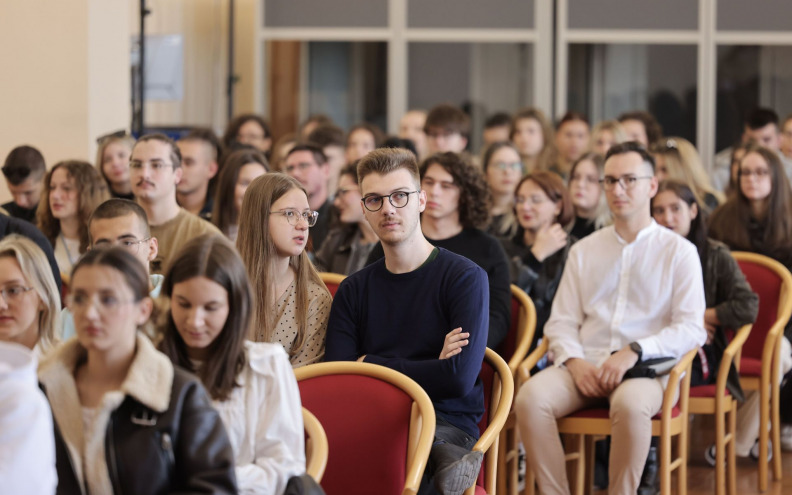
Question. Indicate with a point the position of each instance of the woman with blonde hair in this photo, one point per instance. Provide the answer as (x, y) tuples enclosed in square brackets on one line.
[(72, 191), (30, 303), (291, 303), (677, 159), (112, 162), (605, 134), (532, 134)]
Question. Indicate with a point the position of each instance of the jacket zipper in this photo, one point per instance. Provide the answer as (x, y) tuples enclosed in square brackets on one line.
[(111, 458)]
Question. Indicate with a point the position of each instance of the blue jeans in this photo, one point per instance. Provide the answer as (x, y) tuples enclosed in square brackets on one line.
[(445, 432)]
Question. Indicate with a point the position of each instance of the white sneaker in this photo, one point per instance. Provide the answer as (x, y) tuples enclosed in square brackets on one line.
[(755, 450), (786, 438)]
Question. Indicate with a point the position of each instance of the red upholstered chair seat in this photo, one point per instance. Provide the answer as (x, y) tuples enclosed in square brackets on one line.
[(706, 391), (750, 367)]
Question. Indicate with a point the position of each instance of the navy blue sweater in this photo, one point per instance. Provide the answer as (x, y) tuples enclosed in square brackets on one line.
[(400, 321)]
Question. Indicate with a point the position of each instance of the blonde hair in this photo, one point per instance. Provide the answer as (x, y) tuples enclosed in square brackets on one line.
[(612, 126), (259, 254), (684, 165), (36, 269), (129, 141)]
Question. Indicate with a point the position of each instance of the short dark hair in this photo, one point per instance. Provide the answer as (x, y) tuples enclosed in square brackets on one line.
[(327, 135), (237, 122), (23, 162), (175, 154), (631, 147), (209, 137), (450, 118), (654, 131), (397, 142), (475, 198), (760, 117), (318, 154), (571, 117), (117, 207), (374, 130), (499, 119)]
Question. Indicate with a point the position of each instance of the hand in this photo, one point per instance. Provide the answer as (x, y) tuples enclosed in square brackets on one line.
[(585, 376), (455, 340), (612, 370), (549, 240)]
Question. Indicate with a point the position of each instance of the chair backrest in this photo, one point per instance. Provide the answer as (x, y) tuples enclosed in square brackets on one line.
[(331, 281), (379, 425), (517, 342), (773, 283), (498, 382), (316, 448)]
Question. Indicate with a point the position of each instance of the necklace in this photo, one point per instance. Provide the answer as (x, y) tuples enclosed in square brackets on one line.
[(66, 248)]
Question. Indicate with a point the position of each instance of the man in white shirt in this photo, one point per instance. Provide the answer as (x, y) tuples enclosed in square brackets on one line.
[(630, 291)]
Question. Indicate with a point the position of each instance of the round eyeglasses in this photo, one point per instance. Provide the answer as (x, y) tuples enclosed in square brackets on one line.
[(294, 216), (398, 199)]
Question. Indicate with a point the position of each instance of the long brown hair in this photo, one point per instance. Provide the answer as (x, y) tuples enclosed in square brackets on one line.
[(224, 213), (215, 258), (546, 155), (729, 223), (258, 252), (92, 191)]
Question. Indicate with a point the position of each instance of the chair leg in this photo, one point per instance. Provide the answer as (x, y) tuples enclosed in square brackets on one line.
[(587, 462), (682, 451), (775, 428), (732, 450), (720, 453), (665, 465), (530, 482), (764, 420)]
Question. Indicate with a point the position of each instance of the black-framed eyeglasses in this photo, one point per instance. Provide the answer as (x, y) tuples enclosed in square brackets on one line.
[(130, 245), (294, 216), (626, 181), (398, 199)]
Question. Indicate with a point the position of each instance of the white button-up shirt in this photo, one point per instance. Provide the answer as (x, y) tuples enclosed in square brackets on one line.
[(649, 291)]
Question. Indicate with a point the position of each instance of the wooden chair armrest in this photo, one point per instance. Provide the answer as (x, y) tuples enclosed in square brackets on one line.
[(730, 354), (524, 371), (680, 371)]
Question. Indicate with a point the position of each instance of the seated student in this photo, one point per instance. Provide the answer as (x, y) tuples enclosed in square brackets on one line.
[(30, 302), (239, 169), (457, 207), (447, 128), (312, 122), (588, 199), (497, 128), (10, 225), (72, 190), (124, 415), (248, 129), (347, 245), (571, 141), (24, 171), (532, 134), (630, 291), (112, 162), (538, 251), (332, 140), (758, 218), (200, 150), (361, 139), (251, 384), (291, 303), (677, 159), (411, 126), (641, 126), (737, 154), (308, 164), (503, 170), (605, 134), (397, 312), (155, 170), (280, 150), (122, 223)]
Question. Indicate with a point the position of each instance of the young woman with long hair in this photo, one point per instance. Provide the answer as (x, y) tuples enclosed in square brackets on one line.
[(677, 159), (532, 134), (72, 191), (588, 198), (112, 162), (124, 415), (251, 383), (240, 168), (291, 304), (503, 169)]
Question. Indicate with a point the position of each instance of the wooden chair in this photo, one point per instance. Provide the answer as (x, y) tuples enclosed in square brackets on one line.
[(716, 400), (498, 397), (760, 360), (514, 349), (332, 281), (379, 424), (671, 421), (316, 448)]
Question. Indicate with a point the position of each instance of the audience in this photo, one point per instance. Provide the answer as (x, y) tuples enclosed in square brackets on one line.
[(447, 128), (532, 134), (502, 170), (629, 292), (251, 384), (605, 134), (332, 140), (24, 175), (240, 168), (200, 151), (306, 128), (427, 292), (124, 415), (280, 150), (497, 128), (677, 159), (411, 126), (30, 302), (348, 244), (588, 200), (642, 127), (155, 171), (72, 190), (250, 129), (539, 248), (112, 162), (571, 141), (308, 165), (291, 304), (362, 139)]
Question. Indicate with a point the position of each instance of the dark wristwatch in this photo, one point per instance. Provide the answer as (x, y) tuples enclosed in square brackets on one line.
[(636, 348)]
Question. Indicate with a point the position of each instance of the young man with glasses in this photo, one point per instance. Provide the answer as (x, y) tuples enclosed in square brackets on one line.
[(123, 223), (630, 291), (308, 164), (397, 312), (155, 170)]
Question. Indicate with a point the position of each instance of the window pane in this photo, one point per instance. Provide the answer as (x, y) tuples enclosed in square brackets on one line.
[(754, 15), (492, 14), (607, 80), (482, 78), (326, 13), (633, 14)]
